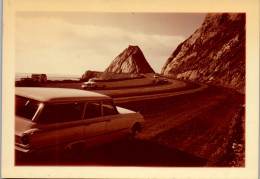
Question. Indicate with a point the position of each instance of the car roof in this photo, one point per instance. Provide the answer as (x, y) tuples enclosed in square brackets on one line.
[(57, 94)]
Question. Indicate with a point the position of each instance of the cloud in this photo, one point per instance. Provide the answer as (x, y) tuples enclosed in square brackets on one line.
[(52, 45)]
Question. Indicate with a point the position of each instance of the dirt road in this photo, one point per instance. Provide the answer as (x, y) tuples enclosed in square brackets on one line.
[(208, 124)]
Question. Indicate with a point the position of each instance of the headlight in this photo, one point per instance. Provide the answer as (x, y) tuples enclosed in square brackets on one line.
[(25, 140)]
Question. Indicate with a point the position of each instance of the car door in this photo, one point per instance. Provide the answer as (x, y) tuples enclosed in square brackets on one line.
[(94, 124), (117, 126)]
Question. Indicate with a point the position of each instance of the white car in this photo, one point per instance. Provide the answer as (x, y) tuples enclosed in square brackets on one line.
[(94, 83), (65, 120)]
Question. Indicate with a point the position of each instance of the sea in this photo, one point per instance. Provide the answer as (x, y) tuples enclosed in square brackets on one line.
[(52, 77)]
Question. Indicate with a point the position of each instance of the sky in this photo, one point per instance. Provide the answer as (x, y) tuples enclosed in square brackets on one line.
[(70, 43)]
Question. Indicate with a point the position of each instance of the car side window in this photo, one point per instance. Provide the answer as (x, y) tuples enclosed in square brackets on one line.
[(93, 109), (54, 113), (109, 108)]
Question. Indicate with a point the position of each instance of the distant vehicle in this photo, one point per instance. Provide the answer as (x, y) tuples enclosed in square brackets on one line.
[(94, 83), (159, 81), (35, 80), (155, 76), (165, 80), (40, 78), (64, 121)]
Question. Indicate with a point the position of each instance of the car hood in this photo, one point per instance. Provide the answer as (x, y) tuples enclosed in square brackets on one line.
[(124, 111), (89, 82)]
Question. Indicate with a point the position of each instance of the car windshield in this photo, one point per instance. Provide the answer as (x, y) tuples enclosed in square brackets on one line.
[(25, 107)]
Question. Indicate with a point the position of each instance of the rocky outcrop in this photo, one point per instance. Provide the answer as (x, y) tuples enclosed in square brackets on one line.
[(131, 60), (214, 54), (91, 74), (109, 75)]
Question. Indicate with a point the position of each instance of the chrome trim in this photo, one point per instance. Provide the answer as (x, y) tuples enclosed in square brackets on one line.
[(20, 149), (38, 112)]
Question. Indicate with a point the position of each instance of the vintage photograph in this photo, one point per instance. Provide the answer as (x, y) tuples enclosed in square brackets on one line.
[(112, 89), (130, 89)]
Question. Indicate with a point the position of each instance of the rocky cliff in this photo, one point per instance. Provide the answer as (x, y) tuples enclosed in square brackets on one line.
[(214, 54), (131, 60)]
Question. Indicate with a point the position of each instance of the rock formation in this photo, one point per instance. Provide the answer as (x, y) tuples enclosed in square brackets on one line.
[(91, 74), (109, 75), (214, 54), (131, 60)]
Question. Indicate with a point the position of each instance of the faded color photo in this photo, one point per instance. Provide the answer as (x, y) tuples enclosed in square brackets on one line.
[(130, 89)]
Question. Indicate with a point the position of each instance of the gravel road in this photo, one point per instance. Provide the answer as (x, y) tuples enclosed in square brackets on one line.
[(208, 125)]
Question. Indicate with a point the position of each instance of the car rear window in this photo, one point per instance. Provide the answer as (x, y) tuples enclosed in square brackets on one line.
[(25, 107), (56, 113)]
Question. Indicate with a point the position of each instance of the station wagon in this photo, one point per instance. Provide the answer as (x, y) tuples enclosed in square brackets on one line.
[(63, 120)]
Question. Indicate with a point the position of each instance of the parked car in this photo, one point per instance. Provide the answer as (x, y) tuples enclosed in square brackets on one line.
[(65, 120), (94, 83)]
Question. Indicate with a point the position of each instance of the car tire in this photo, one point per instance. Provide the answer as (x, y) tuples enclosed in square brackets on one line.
[(70, 151), (103, 87), (131, 134)]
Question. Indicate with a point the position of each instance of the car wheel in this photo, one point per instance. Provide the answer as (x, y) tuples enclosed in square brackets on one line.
[(131, 134), (70, 152), (103, 87)]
